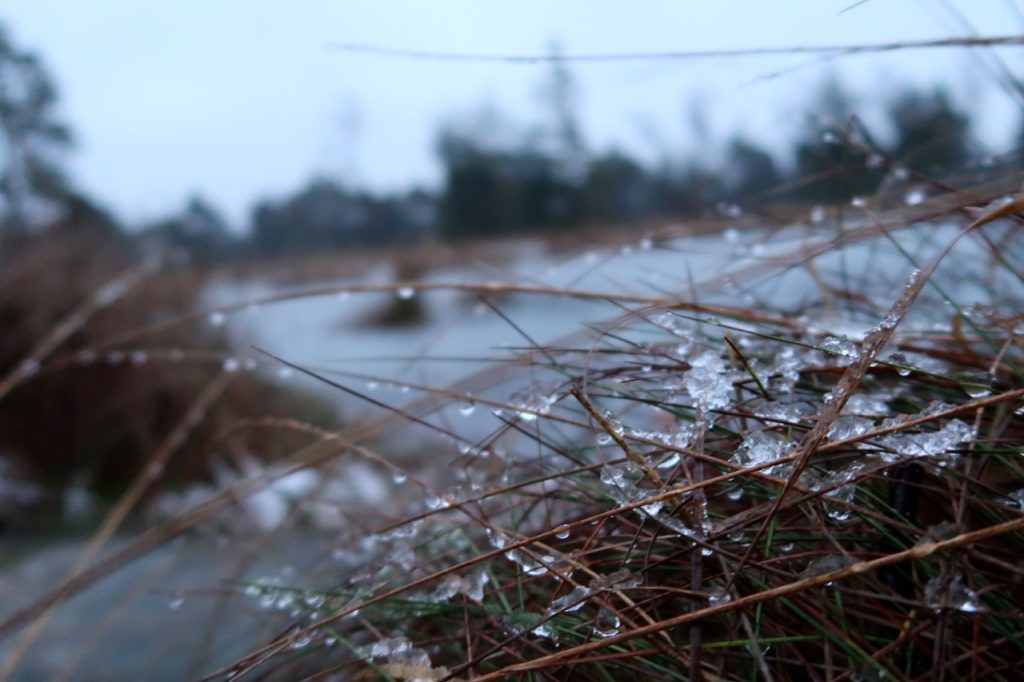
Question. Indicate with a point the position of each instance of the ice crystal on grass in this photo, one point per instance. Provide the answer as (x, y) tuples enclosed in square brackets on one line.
[(948, 593), (826, 564), (707, 381), (842, 347), (849, 426), (760, 448), (532, 402), (929, 443), (621, 481), (472, 586)]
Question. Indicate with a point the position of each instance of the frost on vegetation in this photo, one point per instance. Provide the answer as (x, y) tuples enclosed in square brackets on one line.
[(707, 381), (621, 482), (866, 405), (1015, 499), (948, 593), (678, 439), (532, 402), (673, 324), (828, 564), (792, 413), (472, 586), (926, 444), (841, 491), (533, 623), (552, 563), (975, 384), (849, 426), (606, 623), (575, 600), (760, 448), (396, 651), (784, 373), (718, 595), (841, 347)]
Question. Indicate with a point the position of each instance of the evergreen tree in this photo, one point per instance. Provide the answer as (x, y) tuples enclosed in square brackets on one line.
[(32, 139)]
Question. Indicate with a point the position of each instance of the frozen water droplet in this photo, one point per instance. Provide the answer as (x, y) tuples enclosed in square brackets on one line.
[(829, 137), (736, 494), (217, 319), (301, 641), (372, 385), (875, 161), (284, 372), (900, 173), (718, 595), (901, 360), (731, 235), (398, 477), (230, 365), (826, 564), (976, 384), (948, 593), (138, 357), (914, 197), (839, 346), (858, 202), (175, 601), (818, 215), (849, 426), (467, 408), (562, 532), (606, 623), (405, 293), (28, 367), (646, 244)]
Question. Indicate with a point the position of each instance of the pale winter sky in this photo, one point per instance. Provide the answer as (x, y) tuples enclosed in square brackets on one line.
[(239, 99)]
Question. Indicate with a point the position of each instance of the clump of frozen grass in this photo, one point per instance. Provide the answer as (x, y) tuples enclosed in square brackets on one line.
[(640, 528)]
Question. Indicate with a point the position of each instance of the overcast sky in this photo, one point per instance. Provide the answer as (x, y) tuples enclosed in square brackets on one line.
[(238, 100)]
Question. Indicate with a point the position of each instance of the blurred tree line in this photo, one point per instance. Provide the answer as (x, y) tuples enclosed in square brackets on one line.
[(496, 182)]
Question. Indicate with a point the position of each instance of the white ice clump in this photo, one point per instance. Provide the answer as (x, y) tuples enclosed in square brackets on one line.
[(867, 405), (760, 448), (707, 381), (472, 586), (791, 413), (398, 650), (532, 402), (575, 600), (927, 444), (849, 426), (620, 479), (844, 348), (948, 593), (555, 564)]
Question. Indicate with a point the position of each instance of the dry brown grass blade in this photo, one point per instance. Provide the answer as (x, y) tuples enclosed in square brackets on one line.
[(650, 473), (1010, 208), (992, 41)]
